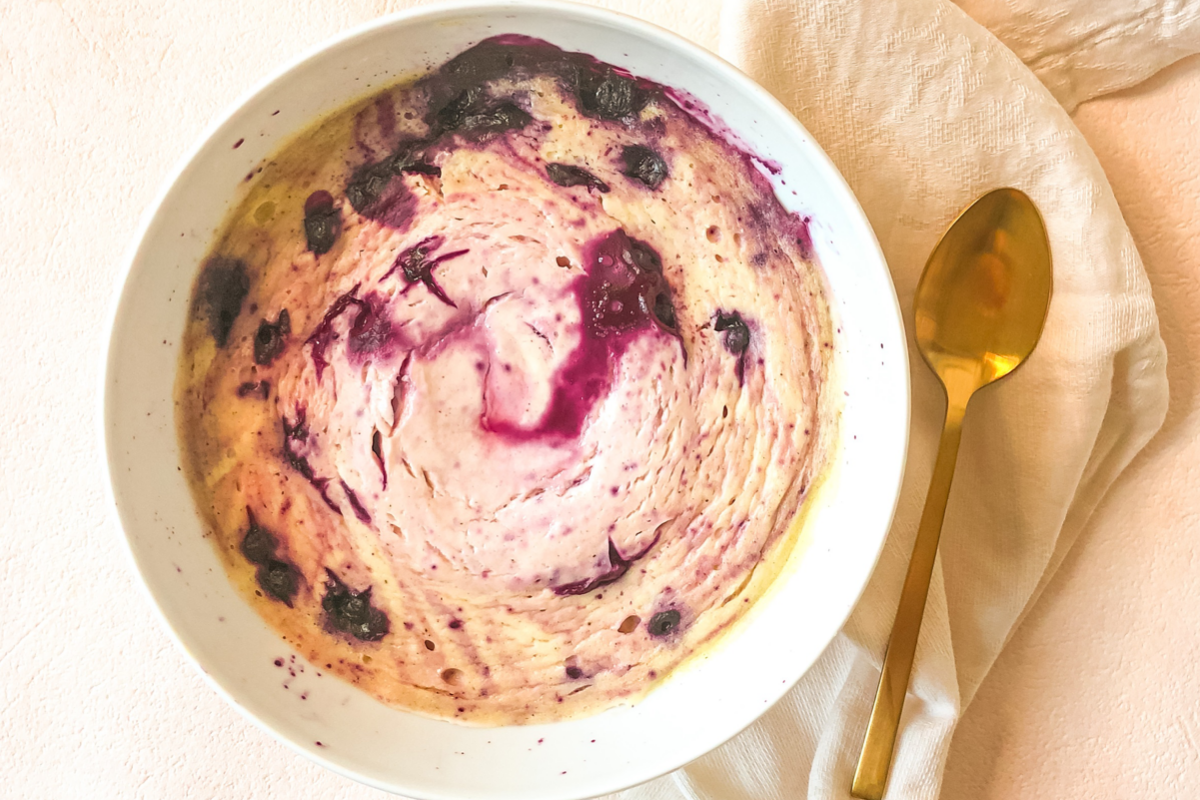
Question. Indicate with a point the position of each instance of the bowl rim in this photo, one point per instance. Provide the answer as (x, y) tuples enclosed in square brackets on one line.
[(726, 72)]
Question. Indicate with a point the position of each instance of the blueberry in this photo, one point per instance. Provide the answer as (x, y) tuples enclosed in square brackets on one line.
[(737, 333), (258, 545), (488, 60), (351, 612), (643, 164), (502, 117), (664, 311), (367, 184), (574, 673), (644, 256), (618, 565), (567, 175), (410, 157), (322, 222), (664, 623), (416, 265), (270, 339), (279, 580), (356, 505), (450, 116), (250, 387), (609, 96), (323, 335), (224, 284), (468, 111)]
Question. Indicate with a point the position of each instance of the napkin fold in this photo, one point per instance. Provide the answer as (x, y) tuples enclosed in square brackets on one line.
[(923, 110), (1082, 49)]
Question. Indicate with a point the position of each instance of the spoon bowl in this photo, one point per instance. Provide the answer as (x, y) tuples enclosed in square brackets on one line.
[(982, 300), (980, 308)]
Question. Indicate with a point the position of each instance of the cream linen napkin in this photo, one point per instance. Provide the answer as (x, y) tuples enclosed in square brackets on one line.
[(1085, 48), (922, 110)]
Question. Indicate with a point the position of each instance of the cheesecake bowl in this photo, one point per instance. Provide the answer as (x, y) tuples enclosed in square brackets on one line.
[(555, 302)]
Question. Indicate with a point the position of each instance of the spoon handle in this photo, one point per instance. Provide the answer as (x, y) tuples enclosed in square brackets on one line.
[(876, 757)]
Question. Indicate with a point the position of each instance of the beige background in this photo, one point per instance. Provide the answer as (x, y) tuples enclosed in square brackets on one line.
[(1097, 696)]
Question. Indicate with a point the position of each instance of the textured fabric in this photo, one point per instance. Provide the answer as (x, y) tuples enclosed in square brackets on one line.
[(923, 110), (1085, 48)]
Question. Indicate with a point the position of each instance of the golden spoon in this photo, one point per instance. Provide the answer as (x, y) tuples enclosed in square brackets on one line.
[(980, 308)]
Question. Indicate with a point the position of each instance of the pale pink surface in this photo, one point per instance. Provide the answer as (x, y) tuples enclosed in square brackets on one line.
[(1096, 695)]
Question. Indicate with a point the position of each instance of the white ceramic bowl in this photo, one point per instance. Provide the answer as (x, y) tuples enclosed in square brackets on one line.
[(706, 702)]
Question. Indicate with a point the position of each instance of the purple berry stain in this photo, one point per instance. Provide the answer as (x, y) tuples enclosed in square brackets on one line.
[(324, 334), (385, 115), (295, 438), (494, 119), (356, 505), (804, 237), (371, 328), (568, 176), (417, 263), (622, 295)]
